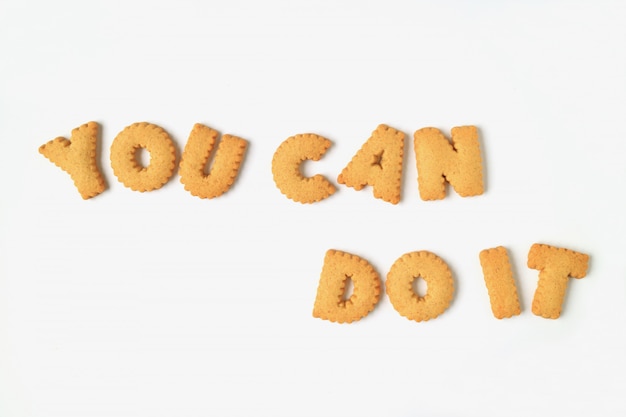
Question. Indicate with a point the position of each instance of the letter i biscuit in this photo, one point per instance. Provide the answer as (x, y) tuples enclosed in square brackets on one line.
[(500, 282)]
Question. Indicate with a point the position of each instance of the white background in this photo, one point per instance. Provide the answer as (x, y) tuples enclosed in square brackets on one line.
[(163, 304)]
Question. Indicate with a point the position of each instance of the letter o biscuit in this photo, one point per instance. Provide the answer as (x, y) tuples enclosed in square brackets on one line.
[(438, 277), (124, 161)]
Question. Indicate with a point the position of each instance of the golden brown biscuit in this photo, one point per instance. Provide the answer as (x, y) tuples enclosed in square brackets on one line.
[(77, 157), (555, 266), (431, 269), (225, 167), (438, 161), (500, 282), (286, 168), (330, 303), (126, 166), (378, 163)]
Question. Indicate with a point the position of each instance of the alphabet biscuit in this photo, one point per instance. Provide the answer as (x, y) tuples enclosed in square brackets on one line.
[(378, 163), (438, 278), (500, 282), (330, 302), (286, 168), (77, 157), (439, 161), (555, 266), (226, 163), (124, 161)]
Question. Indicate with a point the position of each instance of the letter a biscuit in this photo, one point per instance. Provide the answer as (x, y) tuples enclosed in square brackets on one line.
[(378, 163)]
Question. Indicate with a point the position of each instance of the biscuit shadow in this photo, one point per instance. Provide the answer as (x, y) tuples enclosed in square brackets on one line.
[(483, 158), (100, 155), (178, 150), (516, 274), (244, 156), (408, 145), (455, 283)]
